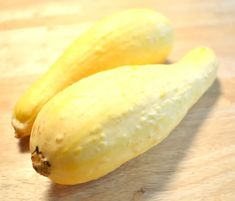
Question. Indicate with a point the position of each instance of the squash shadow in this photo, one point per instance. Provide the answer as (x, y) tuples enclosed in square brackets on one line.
[(23, 144), (147, 175)]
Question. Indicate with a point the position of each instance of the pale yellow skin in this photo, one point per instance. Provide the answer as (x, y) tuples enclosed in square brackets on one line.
[(136, 36), (97, 124)]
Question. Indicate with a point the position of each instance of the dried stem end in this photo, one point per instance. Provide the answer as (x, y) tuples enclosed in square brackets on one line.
[(40, 163)]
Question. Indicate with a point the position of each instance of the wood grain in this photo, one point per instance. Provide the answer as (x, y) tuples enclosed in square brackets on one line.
[(196, 162)]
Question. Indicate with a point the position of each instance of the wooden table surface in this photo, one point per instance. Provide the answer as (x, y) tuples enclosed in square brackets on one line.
[(195, 163)]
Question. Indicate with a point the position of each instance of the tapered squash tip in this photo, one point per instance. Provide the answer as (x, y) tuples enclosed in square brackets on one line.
[(199, 55), (19, 127), (40, 163)]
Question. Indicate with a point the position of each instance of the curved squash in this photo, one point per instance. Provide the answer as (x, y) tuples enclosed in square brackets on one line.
[(97, 124), (137, 36)]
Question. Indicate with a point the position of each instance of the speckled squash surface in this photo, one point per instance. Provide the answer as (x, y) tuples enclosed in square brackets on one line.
[(97, 124)]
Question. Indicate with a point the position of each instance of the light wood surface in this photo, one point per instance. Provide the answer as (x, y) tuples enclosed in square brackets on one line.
[(195, 163)]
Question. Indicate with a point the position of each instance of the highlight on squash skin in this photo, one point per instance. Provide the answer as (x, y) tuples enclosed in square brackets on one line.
[(82, 134), (135, 36)]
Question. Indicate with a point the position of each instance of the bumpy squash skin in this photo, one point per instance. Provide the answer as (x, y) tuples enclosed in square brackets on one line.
[(137, 36), (97, 124)]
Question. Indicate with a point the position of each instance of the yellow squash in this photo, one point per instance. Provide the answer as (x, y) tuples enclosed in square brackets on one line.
[(136, 36), (97, 124)]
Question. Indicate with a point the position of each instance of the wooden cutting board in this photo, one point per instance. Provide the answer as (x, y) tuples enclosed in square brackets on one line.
[(195, 163)]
